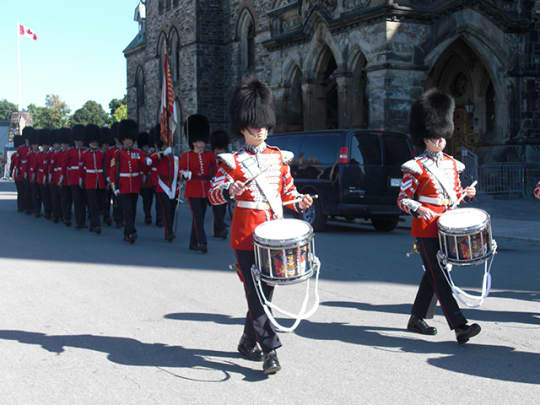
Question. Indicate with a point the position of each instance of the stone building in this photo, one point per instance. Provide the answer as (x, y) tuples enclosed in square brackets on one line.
[(349, 63)]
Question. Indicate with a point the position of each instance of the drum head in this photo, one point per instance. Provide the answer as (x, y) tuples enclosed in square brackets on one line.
[(462, 218), (282, 230)]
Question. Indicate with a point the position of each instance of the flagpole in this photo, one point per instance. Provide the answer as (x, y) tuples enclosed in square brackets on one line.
[(19, 100)]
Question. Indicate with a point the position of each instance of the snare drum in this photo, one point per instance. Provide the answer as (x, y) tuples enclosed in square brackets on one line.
[(465, 236), (284, 251)]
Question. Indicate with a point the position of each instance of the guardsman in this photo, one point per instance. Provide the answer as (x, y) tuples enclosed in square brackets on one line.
[(155, 136), (199, 166), (16, 172), (429, 187), (147, 190), (33, 161), (55, 171), (106, 144), (27, 133), (113, 150), (43, 172), (66, 143), (220, 144), (536, 191), (128, 166), (257, 201), (75, 175), (94, 180)]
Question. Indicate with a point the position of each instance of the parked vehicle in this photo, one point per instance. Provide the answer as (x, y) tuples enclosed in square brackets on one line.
[(355, 172)]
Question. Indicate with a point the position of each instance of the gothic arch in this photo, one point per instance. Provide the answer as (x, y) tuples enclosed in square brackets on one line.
[(293, 104), (246, 32), (247, 10), (173, 50), (321, 39), (359, 105), (140, 96)]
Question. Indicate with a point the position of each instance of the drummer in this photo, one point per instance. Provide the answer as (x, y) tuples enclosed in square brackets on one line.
[(430, 186), (537, 191), (252, 115)]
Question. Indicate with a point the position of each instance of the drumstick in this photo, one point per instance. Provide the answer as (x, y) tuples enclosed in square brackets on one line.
[(474, 183), (257, 175), (314, 196)]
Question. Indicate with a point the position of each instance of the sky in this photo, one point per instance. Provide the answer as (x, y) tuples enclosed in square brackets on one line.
[(78, 54)]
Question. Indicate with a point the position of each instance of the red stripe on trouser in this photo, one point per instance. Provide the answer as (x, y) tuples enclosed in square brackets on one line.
[(194, 225)]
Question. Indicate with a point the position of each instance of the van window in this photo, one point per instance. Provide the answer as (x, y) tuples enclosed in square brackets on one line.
[(366, 150), (320, 150), (396, 149)]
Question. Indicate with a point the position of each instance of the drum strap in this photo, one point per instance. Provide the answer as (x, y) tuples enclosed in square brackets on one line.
[(439, 176)]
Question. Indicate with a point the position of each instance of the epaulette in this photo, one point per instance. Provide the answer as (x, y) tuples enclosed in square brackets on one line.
[(411, 166), (460, 166), (228, 159)]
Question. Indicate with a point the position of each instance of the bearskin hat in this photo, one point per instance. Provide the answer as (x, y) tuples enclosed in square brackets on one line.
[(128, 129), (28, 134), (65, 136), (197, 128), (251, 105), (155, 136), (18, 140), (92, 133), (106, 136), (78, 132), (42, 137), (432, 117), (143, 140), (114, 130), (219, 139)]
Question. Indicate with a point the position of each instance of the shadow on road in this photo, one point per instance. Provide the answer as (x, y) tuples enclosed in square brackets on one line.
[(131, 352)]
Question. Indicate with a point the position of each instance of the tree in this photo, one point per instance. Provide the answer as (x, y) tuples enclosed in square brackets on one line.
[(115, 103), (90, 113), (55, 114), (6, 108), (120, 113)]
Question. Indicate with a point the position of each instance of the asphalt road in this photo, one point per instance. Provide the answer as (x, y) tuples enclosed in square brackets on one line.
[(88, 319)]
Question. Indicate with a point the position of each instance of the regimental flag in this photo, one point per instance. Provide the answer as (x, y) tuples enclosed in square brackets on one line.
[(168, 120), (27, 32)]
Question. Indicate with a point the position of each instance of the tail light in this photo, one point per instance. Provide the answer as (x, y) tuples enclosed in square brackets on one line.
[(343, 155)]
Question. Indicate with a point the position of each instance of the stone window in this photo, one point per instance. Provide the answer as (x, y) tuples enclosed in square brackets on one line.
[(246, 35), (160, 7), (139, 86), (174, 54), (161, 53), (175, 3), (167, 5)]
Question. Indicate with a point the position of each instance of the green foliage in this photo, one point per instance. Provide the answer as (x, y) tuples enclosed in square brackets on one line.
[(120, 113), (6, 108), (115, 103), (55, 114), (90, 113)]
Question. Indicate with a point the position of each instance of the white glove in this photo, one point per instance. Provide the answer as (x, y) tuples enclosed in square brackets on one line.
[(116, 192), (186, 174), (80, 183), (61, 180), (148, 161), (50, 178), (167, 151)]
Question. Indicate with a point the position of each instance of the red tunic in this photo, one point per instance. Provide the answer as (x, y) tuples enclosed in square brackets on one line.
[(202, 167), (24, 160), (60, 168), (420, 188), (93, 164), (147, 178), (537, 191), (32, 168), (131, 170), (246, 219), (111, 151), (14, 167), (74, 165), (42, 167)]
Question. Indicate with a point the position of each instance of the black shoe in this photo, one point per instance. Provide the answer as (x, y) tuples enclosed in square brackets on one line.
[(204, 249), (418, 325), (170, 237), (465, 332), (271, 363), (119, 225), (55, 220), (97, 230), (222, 235), (107, 221), (194, 247), (133, 237), (68, 223), (148, 220), (159, 224), (80, 226), (249, 350)]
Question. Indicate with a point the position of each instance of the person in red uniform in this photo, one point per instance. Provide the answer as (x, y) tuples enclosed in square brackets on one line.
[(66, 143), (157, 144), (147, 189), (117, 209), (15, 170), (199, 166), (252, 116), (94, 180), (55, 171), (26, 150), (537, 191), (75, 175), (430, 186), (106, 145), (43, 172), (128, 166), (220, 144), (33, 162)]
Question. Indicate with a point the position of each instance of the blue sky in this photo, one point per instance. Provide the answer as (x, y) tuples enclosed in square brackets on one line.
[(78, 54)]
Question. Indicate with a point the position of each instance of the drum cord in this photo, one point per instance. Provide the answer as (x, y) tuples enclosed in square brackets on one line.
[(298, 317), (458, 292)]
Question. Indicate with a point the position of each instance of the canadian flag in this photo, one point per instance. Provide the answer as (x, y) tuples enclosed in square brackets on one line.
[(27, 32)]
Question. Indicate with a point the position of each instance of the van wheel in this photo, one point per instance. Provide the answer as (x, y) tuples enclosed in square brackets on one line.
[(385, 223), (315, 217)]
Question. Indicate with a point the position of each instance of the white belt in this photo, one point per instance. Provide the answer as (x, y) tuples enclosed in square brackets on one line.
[(24, 161), (57, 169), (94, 171), (41, 170), (73, 168), (435, 200), (254, 205), (129, 174)]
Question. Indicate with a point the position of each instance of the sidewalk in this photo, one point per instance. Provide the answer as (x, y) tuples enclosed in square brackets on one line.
[(513, 219)]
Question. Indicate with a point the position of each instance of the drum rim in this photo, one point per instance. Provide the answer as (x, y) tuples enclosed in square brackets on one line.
[(471, 262), (283, 243), (472, 227), (273, 242), (466, 231)]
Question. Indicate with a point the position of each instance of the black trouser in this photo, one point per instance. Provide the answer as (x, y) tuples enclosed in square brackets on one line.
[(56, 201), (159, 212), (219, 219), (36, 199), (147, 195), (95, 202), (128, 202), (79, 205), (433, 281), (257, 326), (118, 212), (20, 195), (67, 202), (106, 208), (168, 209), (198, 210), (28, 201), (46, 198)]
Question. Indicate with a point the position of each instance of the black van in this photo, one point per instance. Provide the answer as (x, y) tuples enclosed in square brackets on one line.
[(355, 172)]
